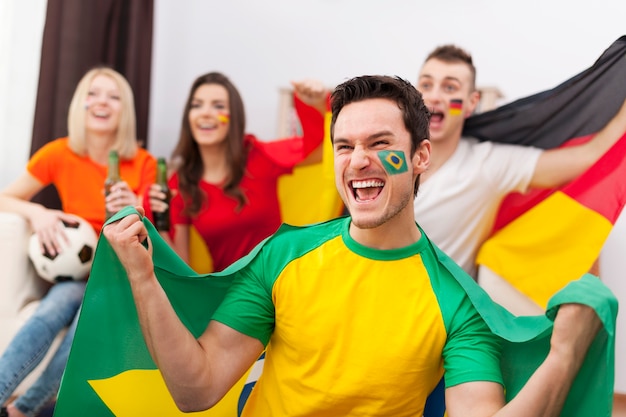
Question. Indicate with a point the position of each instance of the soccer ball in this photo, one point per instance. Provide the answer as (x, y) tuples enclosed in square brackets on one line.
[(74, 261)]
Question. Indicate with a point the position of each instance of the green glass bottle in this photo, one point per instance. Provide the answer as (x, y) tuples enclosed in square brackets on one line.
[(162, 219), (113, 176)]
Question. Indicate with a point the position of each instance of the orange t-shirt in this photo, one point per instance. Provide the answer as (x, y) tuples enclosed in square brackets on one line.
[(80, 181)]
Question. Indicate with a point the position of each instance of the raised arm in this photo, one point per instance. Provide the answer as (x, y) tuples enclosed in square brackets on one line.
[(197, 372), (310, 102), (545, 392), (312, 93), (557, 167)]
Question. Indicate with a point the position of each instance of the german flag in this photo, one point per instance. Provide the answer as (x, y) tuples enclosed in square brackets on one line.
[(544, 239), (456, 105)]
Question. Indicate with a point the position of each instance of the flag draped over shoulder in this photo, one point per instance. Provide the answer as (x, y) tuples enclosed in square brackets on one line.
[(110, 371), (544, 239), (526, 341)]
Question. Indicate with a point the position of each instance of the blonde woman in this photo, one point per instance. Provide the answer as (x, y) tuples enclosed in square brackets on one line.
[(101, 118)]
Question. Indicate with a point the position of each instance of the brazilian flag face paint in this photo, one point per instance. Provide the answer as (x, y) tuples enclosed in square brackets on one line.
[(393, 161)]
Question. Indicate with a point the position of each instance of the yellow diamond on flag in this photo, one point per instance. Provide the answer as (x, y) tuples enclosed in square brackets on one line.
[(142, 392)]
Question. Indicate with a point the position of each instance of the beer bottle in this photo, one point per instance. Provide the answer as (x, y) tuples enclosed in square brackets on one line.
[(113, 176), (162, 219)]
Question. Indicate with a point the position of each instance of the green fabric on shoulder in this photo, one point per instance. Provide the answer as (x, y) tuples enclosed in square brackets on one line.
[(526, 341)]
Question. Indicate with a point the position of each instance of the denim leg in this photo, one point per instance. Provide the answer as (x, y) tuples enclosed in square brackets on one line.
[(47, 385), (29, 346)]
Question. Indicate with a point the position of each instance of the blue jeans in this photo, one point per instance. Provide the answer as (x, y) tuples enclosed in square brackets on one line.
[(57, 310)]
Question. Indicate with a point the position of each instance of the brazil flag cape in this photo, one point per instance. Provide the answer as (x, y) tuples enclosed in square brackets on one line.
[(110, 371)]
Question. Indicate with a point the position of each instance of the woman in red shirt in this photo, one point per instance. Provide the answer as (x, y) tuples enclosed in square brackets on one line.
[(226, 181)]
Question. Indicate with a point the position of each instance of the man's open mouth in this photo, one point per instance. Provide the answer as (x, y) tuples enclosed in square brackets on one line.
[(364, 190)]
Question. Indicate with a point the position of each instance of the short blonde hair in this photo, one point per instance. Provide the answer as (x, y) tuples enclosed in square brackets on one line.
[(126, 142)]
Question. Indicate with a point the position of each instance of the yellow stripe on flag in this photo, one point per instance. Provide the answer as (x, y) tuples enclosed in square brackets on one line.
[(142, 392), (553, 243), (309, 194), (199, 256)]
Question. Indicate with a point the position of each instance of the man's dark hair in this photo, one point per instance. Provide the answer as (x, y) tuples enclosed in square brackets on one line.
[(415, 114), (453, 54)]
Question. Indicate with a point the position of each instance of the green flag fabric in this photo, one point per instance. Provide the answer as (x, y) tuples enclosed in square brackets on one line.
[(110, 371), (526, 341)]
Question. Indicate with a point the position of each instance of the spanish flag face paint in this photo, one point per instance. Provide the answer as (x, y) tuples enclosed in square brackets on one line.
[(393, 161), (456, 107), (223, 118)]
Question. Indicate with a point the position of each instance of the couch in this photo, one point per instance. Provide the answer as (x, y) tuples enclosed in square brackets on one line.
[(20, 287)]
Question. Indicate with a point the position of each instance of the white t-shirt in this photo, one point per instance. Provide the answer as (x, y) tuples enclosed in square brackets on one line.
[(458, 204)]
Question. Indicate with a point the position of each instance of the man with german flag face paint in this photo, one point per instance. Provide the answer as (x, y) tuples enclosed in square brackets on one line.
[(360, 315), (467, 180)]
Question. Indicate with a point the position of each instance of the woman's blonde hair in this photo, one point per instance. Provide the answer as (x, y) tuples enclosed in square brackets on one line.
[(126, 142)]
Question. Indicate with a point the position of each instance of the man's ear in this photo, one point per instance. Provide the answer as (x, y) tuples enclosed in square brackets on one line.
[(421, 158), (474, 99)]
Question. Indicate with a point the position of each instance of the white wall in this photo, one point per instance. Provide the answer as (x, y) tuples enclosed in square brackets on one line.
[(521, 47), (21, 30)]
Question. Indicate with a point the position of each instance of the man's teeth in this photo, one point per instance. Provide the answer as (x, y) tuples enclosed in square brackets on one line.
[(367, 184)]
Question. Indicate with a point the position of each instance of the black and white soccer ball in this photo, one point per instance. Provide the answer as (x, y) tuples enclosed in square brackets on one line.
[(74, 262)]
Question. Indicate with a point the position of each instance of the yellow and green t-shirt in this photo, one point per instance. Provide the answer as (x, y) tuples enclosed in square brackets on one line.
[(109, 353), (350, 330)]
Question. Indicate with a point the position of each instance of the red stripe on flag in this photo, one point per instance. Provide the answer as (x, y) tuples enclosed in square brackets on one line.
[(601, 188)]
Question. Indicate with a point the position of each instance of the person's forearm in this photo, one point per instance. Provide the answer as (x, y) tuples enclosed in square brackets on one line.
[(174, 349), (312, 122), (557, 167), (16, 205), (545, 392), (575, 328), (610, 134)]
